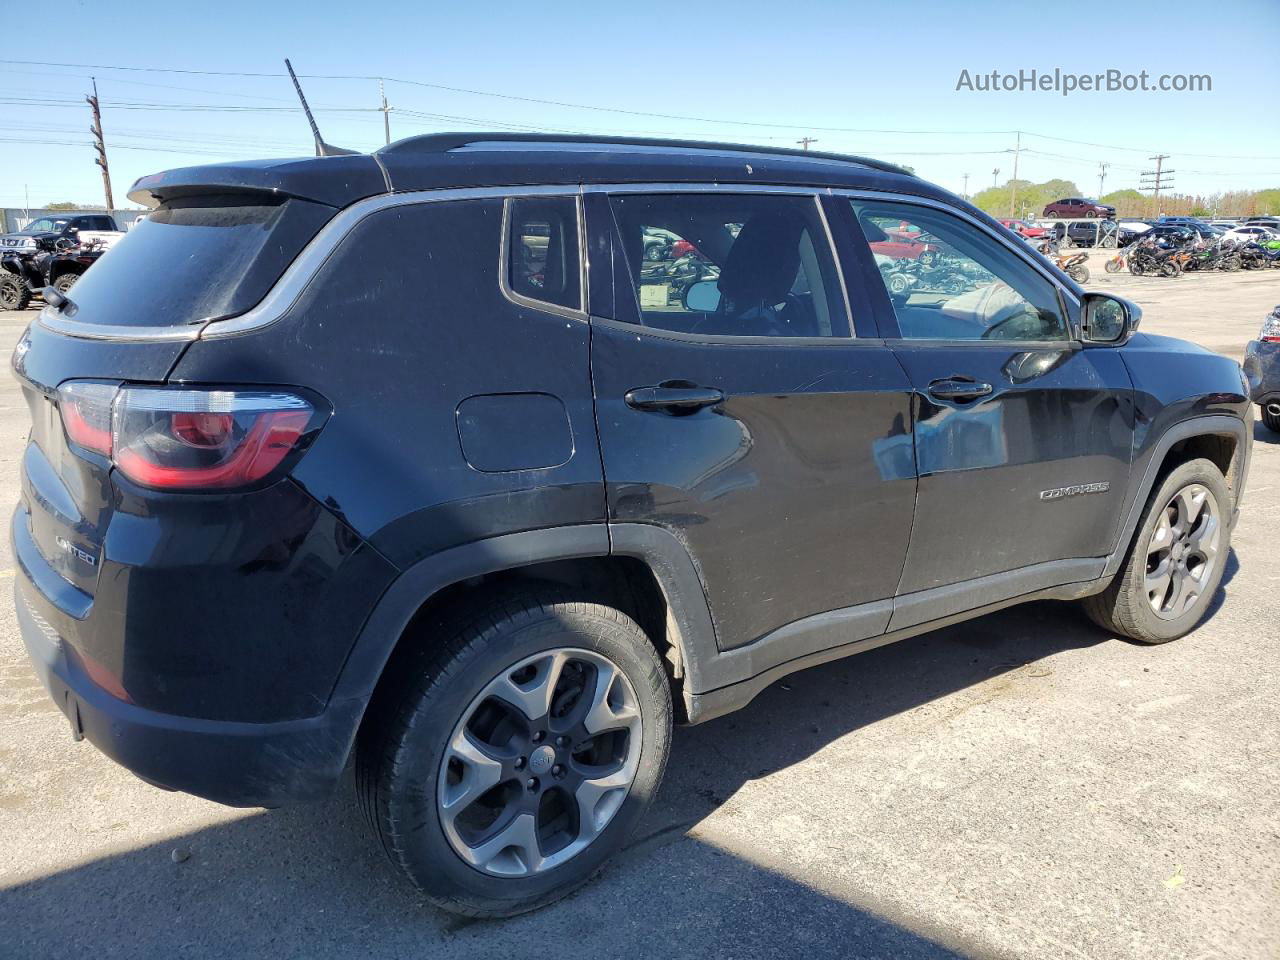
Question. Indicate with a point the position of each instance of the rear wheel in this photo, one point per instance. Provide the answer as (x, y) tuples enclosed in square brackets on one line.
[(1113, 265), (1091, 214), (14, 294), (1176, 561), (1080, 273), (517, 754), (1271, 420), (65, 282), (1169, 269)]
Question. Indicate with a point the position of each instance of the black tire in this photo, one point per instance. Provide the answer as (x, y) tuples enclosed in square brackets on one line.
[(14, 294), (1169, 269), (654, 251), (403, 743), (1091, 214), (1136, 268), (1114, 265), (65, 282), (1270, 420), (1124, 608), (1080, 274)]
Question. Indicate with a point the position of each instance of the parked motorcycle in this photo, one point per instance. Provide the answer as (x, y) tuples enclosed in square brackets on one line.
[(1256, 256), (1116, 263), (1073, 266), (1148, 257)]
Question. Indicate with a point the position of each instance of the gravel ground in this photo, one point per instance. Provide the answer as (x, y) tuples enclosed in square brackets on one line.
[(1017, 786)]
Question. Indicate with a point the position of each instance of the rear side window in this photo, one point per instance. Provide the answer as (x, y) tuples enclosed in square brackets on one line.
[(543, 259), (194, 260)]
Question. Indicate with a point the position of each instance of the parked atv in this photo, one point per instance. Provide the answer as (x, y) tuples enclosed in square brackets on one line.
[(58, 264)]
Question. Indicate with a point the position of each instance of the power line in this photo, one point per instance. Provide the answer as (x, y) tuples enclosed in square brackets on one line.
[(596, 107)]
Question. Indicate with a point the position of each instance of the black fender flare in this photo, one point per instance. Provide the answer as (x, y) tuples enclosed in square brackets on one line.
[(662, 552), (1140, 492)]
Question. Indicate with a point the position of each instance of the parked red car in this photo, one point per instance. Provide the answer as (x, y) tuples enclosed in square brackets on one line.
[(1025, 229), (903, 243), (1079, 207)]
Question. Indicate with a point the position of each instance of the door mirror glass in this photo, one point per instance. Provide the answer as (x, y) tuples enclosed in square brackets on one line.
[(1108, 319), (703, 296)]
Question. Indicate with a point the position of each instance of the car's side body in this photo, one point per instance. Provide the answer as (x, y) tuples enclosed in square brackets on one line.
[(830, 504)]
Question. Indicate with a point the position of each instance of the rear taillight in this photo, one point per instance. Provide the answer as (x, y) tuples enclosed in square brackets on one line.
[(189, 439), (86, 413), (1271, 328)]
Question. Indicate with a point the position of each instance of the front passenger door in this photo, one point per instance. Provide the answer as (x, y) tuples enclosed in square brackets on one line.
[(1022, 433)]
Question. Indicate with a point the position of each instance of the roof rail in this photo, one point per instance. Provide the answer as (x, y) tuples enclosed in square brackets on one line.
[(443, 142)]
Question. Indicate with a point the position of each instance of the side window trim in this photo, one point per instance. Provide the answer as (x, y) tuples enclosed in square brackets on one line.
[(504, 250), (626, 310)]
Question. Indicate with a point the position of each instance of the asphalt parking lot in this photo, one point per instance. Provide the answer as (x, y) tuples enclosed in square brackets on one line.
[(1018, 786)]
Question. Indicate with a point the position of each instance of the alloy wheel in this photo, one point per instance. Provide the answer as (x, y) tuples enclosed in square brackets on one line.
[(540, 763), (1182, 553)]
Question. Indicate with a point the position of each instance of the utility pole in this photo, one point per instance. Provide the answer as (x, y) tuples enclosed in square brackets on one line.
[(386, 111), (966, 186), (1013, 194), (805, 141), (994, 173), (1102, 176), (100, 145), (1156, 180)]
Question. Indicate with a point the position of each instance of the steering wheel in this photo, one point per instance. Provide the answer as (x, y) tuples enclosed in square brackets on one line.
[(990, 332)]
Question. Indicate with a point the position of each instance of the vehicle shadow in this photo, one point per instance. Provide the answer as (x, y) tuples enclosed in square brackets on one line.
[(308, 881), (1262, 435)]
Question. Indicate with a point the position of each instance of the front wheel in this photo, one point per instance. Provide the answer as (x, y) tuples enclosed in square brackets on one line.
[(518, 753), (65, 282), (1176, 561), (1169, 269)]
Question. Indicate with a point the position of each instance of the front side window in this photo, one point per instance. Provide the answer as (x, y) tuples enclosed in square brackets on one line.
[(744, 265), (947, 280), (543, 261)]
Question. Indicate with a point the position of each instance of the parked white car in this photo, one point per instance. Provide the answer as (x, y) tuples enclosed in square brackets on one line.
[(1247, 232)]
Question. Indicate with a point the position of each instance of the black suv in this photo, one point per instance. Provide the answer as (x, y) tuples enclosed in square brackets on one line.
[(415, 458)]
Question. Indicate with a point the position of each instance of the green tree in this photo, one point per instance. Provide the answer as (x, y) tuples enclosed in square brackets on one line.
[(64, 205), (1029, 200), (1267, 201)]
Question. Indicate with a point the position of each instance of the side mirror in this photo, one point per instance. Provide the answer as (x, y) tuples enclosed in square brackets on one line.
[(1107, 319), (703, 296)]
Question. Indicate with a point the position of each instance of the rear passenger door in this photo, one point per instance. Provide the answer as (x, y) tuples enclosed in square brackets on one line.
[(1022, 432), (738, 410)]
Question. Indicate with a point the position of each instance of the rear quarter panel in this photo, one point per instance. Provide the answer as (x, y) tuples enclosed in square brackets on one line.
[(402, 329)]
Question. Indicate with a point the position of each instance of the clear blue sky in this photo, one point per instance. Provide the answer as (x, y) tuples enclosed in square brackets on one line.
[(801, 65)]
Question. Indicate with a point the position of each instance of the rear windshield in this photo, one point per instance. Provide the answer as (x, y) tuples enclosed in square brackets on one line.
[(196, 259)]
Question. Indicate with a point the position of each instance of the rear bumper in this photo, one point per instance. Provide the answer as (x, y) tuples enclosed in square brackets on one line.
[(240, 764)]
